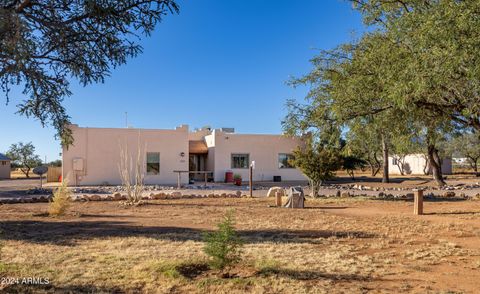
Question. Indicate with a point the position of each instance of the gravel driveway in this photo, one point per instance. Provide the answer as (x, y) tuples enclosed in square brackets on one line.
[(16, 187)]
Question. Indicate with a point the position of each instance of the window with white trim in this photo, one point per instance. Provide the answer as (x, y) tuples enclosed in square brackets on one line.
[(240, 160), (284, 160), (153, 163)]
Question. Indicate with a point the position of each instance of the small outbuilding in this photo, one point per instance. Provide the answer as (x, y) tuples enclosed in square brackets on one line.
[(415, 164), (5, 167)]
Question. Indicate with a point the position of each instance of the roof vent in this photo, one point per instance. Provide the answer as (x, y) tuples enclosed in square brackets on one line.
[(228, 130)]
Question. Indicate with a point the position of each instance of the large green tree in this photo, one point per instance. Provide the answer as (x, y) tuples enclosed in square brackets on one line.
[(44, 44), (415, 80), (440, 40)]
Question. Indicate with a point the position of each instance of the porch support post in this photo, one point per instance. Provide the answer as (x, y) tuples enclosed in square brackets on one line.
[(178, 180)]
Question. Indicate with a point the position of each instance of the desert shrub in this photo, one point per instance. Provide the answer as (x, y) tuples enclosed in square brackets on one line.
[(132, 172), (60, 201), (223, 246)]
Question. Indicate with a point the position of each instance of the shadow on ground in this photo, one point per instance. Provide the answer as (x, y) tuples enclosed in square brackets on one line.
[(312, 275), (453, 213), (68, 233), (425, 199), (50, 288)]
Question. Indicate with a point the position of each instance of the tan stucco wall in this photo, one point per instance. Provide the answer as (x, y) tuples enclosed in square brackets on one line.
[(416, 164), (100, 149), (263, 149), (5, 170)]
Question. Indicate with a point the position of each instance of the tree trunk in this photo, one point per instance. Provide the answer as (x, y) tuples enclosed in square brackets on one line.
[(377, 164), (351, 174), (314, 186), (385, 178), (435, 165), (473, 164), (26, 171), (427, 165)]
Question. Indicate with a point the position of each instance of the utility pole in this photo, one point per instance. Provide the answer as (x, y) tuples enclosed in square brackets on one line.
[(126, 119)]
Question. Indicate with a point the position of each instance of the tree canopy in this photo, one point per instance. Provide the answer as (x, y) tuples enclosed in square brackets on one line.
[(409, 82), (44, 44)]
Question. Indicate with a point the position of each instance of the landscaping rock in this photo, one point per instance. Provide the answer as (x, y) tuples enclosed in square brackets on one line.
[(117, 196), (176, 194), (95, 197), (449, 194)]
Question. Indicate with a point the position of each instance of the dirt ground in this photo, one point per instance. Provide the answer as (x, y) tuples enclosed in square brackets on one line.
[(351, 245)]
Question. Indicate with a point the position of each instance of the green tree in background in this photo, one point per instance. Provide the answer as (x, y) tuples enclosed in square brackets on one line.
[(23, 155), (467, 145)]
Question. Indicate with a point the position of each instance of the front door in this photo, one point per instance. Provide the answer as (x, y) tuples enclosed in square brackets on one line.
[(196, 163)]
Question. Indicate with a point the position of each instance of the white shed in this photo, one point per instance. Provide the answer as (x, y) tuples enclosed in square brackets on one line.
[(415, 164), (5, 167)]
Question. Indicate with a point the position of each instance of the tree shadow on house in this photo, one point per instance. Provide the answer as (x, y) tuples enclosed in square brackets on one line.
[(68, 233)]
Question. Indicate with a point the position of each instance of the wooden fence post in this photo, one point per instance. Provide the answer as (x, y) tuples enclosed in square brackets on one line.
[(418, 202), (278, 199)]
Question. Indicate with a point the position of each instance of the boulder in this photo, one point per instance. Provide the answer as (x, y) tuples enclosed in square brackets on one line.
[(449, 194), (117, 196), (239, 193), (271, 192), (176, 194), (345, 195), (94, 197)]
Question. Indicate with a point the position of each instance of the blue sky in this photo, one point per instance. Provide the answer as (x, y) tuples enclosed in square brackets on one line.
[(218, 63)]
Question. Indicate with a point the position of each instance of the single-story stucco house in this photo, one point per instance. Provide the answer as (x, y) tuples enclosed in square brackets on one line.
[(5, 167), (94, 157), (415, 164)]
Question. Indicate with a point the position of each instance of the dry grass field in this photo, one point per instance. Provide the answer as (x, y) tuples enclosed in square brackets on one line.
[(351, 245)]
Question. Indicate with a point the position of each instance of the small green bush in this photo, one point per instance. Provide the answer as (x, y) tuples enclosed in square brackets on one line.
[(224, 245), (60, 201)]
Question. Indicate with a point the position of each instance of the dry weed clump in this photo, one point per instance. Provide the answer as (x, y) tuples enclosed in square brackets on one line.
[(61, 201)]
